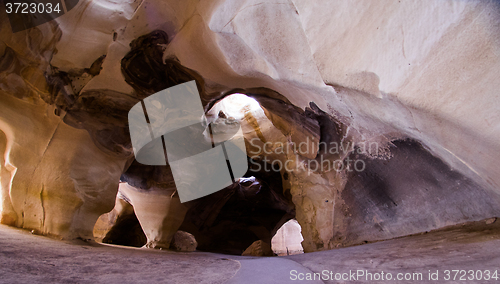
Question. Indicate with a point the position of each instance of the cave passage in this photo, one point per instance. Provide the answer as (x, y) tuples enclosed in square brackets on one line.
[(255, 208)]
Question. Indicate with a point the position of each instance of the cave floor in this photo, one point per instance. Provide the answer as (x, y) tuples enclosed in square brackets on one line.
[(36, 259)]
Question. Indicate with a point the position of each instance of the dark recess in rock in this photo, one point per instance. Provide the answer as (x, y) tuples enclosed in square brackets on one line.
[(103, 113), (230, 220), (96, 67), (127, 231), (331, 130), (148, 178), (144, 69), (397, 196), (7, 59), (227, 221)]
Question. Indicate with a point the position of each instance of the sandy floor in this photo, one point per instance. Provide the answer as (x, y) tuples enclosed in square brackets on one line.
[(474, 246), (27, 258)]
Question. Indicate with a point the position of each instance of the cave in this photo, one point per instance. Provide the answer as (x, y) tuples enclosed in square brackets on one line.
[(250, 141), (251, 209)]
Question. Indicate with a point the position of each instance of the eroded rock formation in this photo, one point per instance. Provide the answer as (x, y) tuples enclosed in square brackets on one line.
[(380, 119)]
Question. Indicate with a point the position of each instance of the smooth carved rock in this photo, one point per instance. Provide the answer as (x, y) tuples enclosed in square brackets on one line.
[(410, 183), (66, 86), (258, 248), (226, 221), (49, 182), (120, 226), (54, 180), (160, 213)]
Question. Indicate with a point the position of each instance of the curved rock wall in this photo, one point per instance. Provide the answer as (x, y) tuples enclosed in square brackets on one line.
[(54, 179)]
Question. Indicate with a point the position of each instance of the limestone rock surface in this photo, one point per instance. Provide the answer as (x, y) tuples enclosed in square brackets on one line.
[(406, 92), (258, 248), (183, 241)]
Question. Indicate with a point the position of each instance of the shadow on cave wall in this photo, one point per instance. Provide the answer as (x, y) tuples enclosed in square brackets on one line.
[(410, 192)]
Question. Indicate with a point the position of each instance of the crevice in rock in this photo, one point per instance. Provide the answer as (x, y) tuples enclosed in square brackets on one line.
[(35, 169), (43, 206)]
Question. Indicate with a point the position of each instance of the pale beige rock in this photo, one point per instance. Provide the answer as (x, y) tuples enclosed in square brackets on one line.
[(54, 179), (490, 221), (439, 60), (106, 221), (258, 248), (387, 69), (336, 46), (160, 214)]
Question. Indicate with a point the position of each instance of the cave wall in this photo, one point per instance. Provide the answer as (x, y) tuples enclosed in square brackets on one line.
[(376, 72), (55, 180)]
